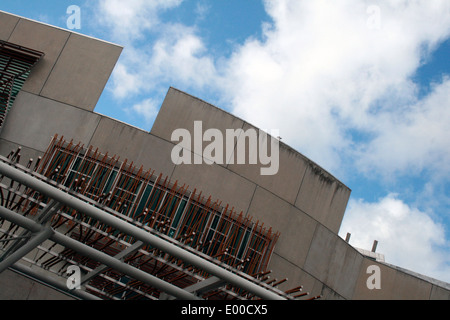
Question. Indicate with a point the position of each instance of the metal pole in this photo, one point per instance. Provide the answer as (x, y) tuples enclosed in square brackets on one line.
[(52, 283), (26, 248), (42, 218), (20, 220), (136, 246), (136, 232), (374, 246), (122, 267), (89, 252)]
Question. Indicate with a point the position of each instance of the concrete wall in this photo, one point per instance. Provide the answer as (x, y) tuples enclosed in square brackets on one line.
[(299, 181), (302, 201), (65, 84), (14, 286), (75, 68)]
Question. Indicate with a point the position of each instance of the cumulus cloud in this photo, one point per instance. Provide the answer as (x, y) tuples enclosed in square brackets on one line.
[(337, 78), (148, 109), (325, 69), (406, 236), (157, 53), (176, 57), (129, 20), (182, 54), (326, 73), (414, 139)]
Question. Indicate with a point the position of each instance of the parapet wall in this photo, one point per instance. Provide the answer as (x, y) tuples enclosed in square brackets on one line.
[(299, 182)]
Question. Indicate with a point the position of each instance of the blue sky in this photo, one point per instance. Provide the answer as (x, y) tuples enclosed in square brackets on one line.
[(360, 87)]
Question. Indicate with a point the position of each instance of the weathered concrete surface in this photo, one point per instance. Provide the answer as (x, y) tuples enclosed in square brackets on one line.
[(7, 25), (14, 286), (33, 120), (179, 111), (298, 180), (43, 38), (286, 182), (323, 197), (81, 72), (333, 261), (296, 227), (75, 68), (217, 182), (118, 138)]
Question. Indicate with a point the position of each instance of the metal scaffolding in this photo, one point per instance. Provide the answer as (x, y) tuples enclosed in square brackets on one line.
[(51, 220), (153, 201)]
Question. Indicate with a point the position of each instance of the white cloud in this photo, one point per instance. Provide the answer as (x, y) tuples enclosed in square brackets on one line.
[(181, 54), (157, 54), (413, 139), (407, 237), (328, 68), (178, 57), (125, 82), (128, 20), (148, 109), (322, 70)]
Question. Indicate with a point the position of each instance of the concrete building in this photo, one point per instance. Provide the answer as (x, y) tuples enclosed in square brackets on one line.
[(302, 202)]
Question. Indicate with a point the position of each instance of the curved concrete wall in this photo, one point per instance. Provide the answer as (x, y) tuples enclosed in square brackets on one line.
[(299, 182)]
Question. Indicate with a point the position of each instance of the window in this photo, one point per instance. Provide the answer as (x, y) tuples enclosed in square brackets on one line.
[(156, 203), (16, 63)]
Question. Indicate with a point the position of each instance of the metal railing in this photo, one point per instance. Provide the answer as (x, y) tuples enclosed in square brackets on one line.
[(149, 265)]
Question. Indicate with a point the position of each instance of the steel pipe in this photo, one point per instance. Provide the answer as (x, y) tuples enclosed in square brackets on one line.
[(112, 262), (136, 232), (34, 241), (136, 246), (122, 267)]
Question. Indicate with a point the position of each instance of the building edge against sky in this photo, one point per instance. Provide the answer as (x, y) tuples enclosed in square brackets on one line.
[(302, 201)]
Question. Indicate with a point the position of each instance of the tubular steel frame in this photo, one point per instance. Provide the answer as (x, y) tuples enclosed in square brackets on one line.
[(121, 257), (152, 201)]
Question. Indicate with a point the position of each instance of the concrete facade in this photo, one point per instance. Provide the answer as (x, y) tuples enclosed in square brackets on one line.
[(75, 68), (302, 201), (15, 286)]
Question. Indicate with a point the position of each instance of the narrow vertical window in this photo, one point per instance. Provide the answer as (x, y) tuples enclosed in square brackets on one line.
[(16, 63)]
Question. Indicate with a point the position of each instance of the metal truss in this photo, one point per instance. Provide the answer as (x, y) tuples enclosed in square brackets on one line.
[(49, 228)]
